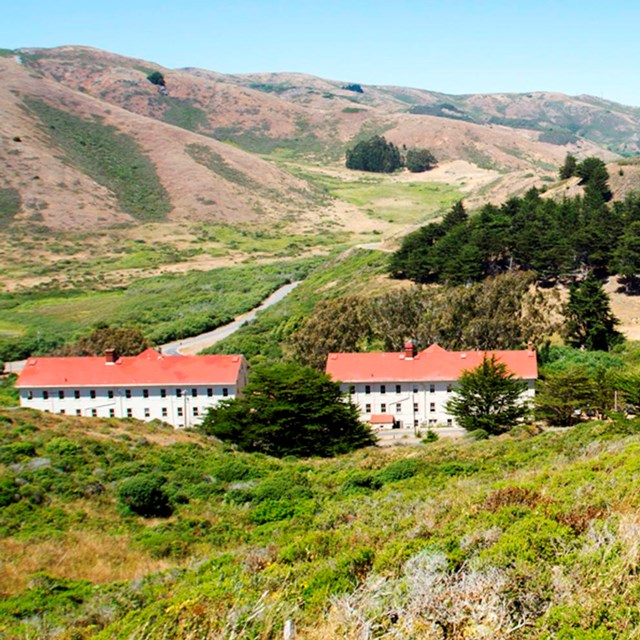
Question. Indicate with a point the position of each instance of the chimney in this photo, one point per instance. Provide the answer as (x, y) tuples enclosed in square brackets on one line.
[(409, 349), (110, 356)]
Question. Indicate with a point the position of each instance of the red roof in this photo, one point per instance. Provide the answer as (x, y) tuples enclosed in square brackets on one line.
[(381, 418), (431, 365), (148, 368)]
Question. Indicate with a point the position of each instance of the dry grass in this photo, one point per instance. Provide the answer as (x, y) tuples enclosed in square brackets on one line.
[(79, 555)]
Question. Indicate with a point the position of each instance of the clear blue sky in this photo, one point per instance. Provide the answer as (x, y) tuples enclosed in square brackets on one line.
[(453, 46)]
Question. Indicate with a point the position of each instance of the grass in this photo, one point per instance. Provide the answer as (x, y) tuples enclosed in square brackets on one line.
[(537, 532), (182, 113), (384, 199), (357, 271), (10, 205), (112, 159), (166, 307)]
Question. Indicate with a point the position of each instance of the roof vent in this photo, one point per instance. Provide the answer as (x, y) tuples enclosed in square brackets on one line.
[(110, 356)]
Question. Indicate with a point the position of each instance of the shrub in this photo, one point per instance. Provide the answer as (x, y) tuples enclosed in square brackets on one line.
[(145, 496), (399, 470)]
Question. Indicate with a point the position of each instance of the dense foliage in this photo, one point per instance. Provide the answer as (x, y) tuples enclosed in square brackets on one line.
[(538, 533), (550, 238), (289, 410), (374, 154), (590, 322), (503, 312), (419, 160), (155, 77), (489, 398), (125, 341)]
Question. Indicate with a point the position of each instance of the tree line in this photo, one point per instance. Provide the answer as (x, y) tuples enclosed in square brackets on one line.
[(551, 239), (380, 156)]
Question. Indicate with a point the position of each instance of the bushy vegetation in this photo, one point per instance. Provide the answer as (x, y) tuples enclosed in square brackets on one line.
[(112, 159), (165, 308), (375, 154), (550, 238), (535, 532), (10, 205), (419, 160), (287, 409)]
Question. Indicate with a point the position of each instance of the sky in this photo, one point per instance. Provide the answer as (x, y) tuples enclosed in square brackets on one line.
[(452, 46)]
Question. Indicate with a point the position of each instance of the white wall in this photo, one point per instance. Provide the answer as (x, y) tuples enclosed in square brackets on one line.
[(144, 403), (420, 403)]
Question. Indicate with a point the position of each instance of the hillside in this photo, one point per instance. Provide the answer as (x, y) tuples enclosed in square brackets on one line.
[(525, 536)]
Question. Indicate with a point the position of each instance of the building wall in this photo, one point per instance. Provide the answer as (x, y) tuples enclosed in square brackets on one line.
[(182, 406), (410, 403)]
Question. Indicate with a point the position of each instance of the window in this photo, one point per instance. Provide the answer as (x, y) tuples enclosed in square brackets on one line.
[(61, 394), (110, 393), (432, 406), (415, 389), (112, 413), (29, 395), (398, 408), (164, 412), (78, 412), (62, 411), (383, 388), (178, 393), (209, 391), (92, 393), (415, 407), (195, 411), (398, 388), (94, 412), (432, 388), (415, 423), (449, 387), (432, 422), (449, 422), (163, 393), (45, 395), (76, 394), (127, 393), (129, 412), (145, 393), (225, 391), (194, 393), (367, 408), (352, 388), (383, 408), (180, 411), (147, 413), (367, 388)]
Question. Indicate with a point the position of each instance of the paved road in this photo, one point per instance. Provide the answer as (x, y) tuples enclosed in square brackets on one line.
[(189, 346)]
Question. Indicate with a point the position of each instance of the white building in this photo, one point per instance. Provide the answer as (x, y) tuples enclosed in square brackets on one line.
[(415, 387), (174, 389)]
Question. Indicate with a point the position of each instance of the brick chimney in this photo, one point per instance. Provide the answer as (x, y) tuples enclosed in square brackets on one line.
[(409, 349), (110, 356)]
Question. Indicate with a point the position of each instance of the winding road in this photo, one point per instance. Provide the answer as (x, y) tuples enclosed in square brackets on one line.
[(195, 344)]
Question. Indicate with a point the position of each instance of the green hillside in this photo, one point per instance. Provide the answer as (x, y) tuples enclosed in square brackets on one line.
[(526, 536)]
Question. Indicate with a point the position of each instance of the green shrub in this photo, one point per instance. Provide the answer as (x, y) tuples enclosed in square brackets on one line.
[(16, 452), (430, 436), (8, 491), (359, 481), (398, 470), (477, 434), (145, 496)]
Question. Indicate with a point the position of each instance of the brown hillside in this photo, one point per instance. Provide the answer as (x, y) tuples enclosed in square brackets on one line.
[(59, 195)]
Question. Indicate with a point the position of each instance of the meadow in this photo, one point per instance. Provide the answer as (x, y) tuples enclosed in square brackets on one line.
[(531, 535), (166, 307)]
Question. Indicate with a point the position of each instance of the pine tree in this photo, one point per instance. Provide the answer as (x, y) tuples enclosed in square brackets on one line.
[(590, 322), (488, 397)]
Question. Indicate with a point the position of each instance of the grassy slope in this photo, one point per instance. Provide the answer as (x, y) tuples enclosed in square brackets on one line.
[(538, 531)]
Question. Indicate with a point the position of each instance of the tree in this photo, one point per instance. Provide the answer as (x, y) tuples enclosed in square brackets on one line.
[(628, 256), (568, 169), (155, 77), (287, 409), (488, 397), (595, 178), (561, 396), (374, 154), (419, 160), (125, 341), (590, 322)]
